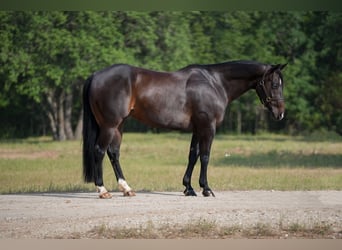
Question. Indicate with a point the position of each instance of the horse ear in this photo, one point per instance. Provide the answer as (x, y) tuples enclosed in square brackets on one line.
[(273, 68), (276, 67), (282, 66)]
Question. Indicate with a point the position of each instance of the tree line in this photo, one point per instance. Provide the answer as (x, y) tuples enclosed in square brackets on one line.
[(45, 57)]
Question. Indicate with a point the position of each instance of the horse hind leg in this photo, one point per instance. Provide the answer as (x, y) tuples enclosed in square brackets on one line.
[(99, 155), (113, 153), (105, 136)]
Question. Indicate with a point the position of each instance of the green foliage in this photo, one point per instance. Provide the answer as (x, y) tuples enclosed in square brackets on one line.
[(329, 42), (46, 55)]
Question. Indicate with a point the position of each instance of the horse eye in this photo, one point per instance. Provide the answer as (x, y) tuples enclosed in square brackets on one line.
[(275, 85)]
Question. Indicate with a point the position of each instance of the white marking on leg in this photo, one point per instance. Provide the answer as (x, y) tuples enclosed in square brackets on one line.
[(101, 189), (123, 186), (104, 194)]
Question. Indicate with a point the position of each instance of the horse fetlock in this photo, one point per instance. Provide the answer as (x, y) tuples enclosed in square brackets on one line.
[(103, 193), (186, 181), (189, 192), (125, 188)]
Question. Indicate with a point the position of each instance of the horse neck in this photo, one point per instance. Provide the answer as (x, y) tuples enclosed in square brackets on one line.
[(239, 78), (237, 87)]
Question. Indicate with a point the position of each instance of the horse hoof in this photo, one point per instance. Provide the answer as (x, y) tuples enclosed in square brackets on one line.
[(189, 193), (105, 195), (207, 193), (129, 193)]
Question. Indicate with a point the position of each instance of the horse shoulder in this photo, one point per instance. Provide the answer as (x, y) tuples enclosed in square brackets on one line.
[(206, 95)]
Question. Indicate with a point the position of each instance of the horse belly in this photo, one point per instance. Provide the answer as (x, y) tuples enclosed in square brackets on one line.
[(171, 115)]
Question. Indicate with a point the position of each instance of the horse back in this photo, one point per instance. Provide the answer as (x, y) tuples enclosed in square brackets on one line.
[(174, 99)]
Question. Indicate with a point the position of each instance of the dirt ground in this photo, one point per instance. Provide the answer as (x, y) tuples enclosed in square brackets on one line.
[(57, 215)]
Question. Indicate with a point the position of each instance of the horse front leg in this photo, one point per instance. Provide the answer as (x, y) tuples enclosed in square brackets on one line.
[(205, 147), (113, 153), (203, 181), (193, 157)]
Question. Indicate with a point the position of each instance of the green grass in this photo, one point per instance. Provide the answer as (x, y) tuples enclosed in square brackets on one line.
[(156, 162)]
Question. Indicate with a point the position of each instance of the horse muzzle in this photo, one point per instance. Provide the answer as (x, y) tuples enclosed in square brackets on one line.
[(278, 111), (280, 116)]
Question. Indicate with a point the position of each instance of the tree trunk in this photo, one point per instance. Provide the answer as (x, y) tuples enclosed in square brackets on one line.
[(53, 125), (260, 119), (79, 127), (238, 121), (60, 116), (67, 116), (52, 113), (59, 111)]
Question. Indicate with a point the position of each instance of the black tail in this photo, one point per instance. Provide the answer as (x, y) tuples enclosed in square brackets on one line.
[(90, 134)]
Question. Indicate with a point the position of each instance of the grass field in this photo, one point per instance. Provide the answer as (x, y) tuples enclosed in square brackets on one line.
[(156, 162)]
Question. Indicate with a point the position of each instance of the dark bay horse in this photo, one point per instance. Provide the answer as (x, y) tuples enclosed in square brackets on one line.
[(191, 99)]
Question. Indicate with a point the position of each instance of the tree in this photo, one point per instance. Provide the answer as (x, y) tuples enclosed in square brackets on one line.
[(46, 56), (49, 55), (328, 42)]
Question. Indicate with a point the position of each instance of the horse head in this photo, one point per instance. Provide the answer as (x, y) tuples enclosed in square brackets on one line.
[(270, 91)]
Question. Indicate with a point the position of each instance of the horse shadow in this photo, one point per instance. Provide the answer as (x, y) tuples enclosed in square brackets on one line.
[(94, 195)]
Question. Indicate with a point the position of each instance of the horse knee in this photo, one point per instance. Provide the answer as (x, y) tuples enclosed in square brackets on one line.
[(99, 153), (114, 154), (186, 180)]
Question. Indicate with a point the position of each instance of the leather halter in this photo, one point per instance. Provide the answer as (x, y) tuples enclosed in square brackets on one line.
[(262, 93)]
